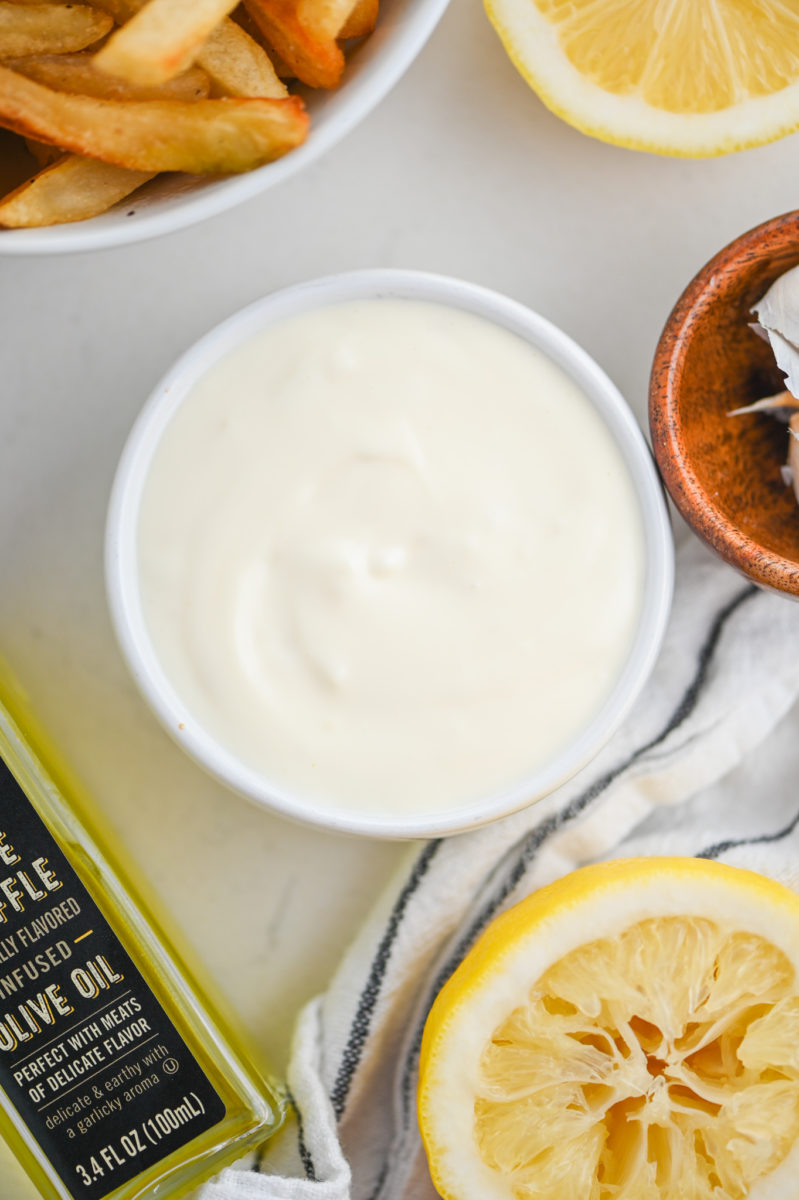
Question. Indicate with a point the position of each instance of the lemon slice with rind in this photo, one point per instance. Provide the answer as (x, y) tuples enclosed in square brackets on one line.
[(684, 77), (629, 1033)]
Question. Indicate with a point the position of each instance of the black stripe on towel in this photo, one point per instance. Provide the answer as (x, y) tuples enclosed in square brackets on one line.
[(533, 841), (719, 848), (305, 1154), (362, 1020)]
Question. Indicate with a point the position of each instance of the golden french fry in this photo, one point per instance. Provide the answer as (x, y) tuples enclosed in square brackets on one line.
[(317, 61), (72, 189), (99, 125), (242, 17), (44, 153), (282, 68), (362, 20), (200, 137), (161, 39), (325, 17), (120, 11), (77, 73), (49, 28), (238, 66)]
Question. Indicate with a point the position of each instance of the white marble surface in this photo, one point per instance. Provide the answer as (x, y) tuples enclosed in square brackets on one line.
[(462, 171)]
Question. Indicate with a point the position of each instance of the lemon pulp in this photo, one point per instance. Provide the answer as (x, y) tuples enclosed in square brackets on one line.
[(664, 1062), (629, 1032), (683, 56)]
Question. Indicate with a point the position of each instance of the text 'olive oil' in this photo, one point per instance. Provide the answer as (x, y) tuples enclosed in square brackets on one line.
[(117, 1081)]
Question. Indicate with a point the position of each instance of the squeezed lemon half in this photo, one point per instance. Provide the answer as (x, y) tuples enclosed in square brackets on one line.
[(629, 1033), (687, 77)]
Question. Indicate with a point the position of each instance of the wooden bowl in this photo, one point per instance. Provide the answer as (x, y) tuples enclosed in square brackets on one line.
[(723, 473)]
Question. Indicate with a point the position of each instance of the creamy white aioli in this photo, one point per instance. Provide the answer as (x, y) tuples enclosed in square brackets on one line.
[(390, 556)]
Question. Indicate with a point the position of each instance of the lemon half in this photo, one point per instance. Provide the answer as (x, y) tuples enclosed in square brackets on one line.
[(629, 1033), (686, 77)]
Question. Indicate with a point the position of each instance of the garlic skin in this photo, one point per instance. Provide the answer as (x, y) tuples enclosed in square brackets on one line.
[(778, 320), (793, 453), (779, 308), (778, 314), (781, 406)]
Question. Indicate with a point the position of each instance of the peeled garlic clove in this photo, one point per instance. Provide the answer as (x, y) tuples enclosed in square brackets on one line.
[(787, 357), (779, 309), (779, 406), (793, 453), (778, 314)]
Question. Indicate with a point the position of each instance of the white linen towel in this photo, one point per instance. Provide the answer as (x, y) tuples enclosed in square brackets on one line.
[(728, 672)]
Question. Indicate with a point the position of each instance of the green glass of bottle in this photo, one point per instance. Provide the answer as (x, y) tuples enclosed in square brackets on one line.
[(118, 1079)]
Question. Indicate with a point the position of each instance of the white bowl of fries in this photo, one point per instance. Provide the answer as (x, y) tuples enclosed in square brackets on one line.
[(122, 120)]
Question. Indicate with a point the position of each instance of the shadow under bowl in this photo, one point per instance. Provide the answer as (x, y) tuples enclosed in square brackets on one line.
[(724, 473)]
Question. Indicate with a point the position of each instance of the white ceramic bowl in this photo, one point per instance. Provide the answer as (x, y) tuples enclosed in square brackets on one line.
[(122, 566), (177, 201)]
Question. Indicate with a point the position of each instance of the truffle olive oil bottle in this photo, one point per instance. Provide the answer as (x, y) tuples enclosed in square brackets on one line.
[(118, 1081)]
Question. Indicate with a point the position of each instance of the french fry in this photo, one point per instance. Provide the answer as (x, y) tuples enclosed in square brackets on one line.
[(44, 154), (72, 189), (238, 66), (325, 17), (201, 137), (101, 124), (120, 11), (242, 17), (49, 28), (362, 20), (161, 39), (319, 62), (282, 68), (77, 73)]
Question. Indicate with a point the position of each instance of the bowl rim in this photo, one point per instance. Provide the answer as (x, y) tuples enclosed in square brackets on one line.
[(359, 96), (765, 567), (121, 558)]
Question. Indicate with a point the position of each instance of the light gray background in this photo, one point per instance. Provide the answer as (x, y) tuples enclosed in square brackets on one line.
[(461, 170)]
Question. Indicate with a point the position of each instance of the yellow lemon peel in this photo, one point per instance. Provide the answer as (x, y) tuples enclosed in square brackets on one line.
[(683, 77)]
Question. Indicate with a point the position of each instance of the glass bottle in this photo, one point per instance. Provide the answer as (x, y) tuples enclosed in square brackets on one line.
[(118, 1079)]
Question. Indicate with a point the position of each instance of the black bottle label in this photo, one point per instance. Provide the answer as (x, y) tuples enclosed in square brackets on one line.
[(92, 1064)]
